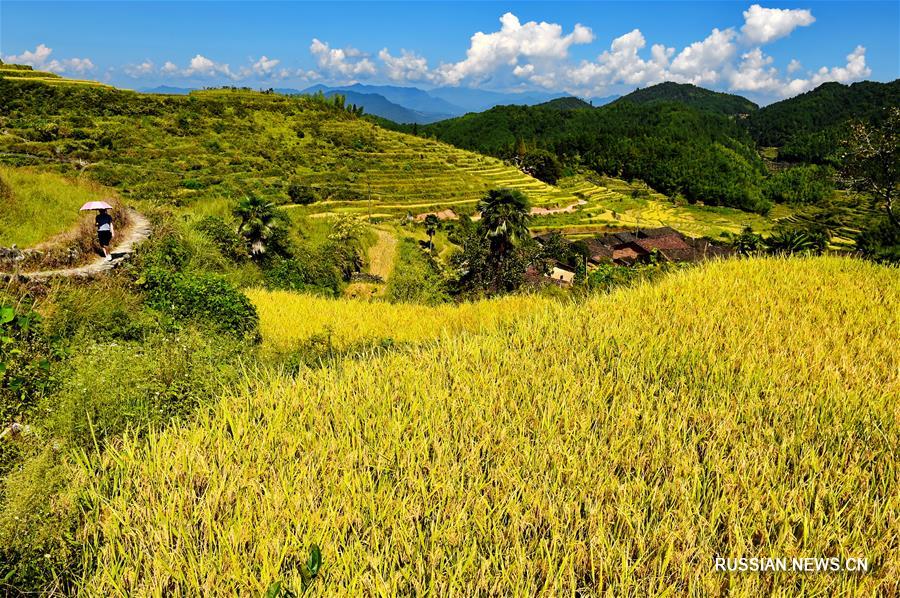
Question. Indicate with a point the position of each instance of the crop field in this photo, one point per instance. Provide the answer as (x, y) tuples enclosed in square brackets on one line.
[(39, 205), (288, 319), (741, 408)]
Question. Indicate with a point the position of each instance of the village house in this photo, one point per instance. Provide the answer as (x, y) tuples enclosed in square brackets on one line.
[(627, 248)]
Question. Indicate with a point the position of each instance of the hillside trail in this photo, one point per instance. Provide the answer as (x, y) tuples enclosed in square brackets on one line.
[(382, 254), (138, 231)]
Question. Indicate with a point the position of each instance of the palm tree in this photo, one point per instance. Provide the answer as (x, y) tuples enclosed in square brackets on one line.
[(258, 222), (504, 219)]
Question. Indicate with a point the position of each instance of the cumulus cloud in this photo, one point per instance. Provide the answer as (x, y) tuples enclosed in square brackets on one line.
[(854, 70), (533, 41), (346, 62), (40, 59), (763, 25), (140, 70), (264, 65), (755, 73), (701, 61), (406, 67)]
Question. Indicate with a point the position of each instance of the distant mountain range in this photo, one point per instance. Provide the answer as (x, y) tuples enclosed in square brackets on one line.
[(411, 105)]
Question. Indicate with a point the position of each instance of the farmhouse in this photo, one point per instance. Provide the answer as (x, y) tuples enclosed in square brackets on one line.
[(626, 248)]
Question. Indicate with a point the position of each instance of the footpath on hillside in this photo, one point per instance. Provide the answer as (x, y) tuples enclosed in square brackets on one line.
[(137, 232)]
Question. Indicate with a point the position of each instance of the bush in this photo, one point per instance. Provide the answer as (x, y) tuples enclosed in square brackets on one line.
[(304, 271), (542, 165), (202, 297), (229, 243), (880, 241), (24, 363), (300, 193), (105, 389)]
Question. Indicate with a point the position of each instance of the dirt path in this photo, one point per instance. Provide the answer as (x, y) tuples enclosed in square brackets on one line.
[(382, 254), (137, 232)]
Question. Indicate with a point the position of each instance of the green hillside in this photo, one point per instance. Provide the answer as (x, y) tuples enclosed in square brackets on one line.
[(676, 149), (199, 152), (818, 110), (691, 95), (568, 103)]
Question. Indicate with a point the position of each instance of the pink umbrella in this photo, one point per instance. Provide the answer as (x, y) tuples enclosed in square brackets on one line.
[(95, 205)]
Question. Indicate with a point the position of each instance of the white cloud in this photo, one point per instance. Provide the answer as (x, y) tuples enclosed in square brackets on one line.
[(406, 67), (140, 70), (763, 25), (755, 74), (794, 66), (536, 42), (203, 66), (169, 68), (40, 59), (347, 62), (265, 65), (701, 61), (854, 70)]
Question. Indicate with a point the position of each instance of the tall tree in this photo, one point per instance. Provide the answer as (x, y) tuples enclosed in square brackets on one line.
[(872, 161), (504, 219)]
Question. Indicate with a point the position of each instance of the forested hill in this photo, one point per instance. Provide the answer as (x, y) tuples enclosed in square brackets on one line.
[(691, 95), (809, 125), (676, 149), (567, 103)]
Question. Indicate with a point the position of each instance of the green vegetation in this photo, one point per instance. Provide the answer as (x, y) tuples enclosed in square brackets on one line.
[(676, 149), (809, 127), (693, 96), (36, 206)]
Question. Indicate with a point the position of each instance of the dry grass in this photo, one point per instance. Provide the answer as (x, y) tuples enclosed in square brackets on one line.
[(745, 408)]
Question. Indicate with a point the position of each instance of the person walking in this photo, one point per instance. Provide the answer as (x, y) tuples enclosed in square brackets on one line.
[(105, 231)]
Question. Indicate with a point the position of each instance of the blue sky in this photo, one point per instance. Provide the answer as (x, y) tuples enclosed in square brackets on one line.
[(765, 51)]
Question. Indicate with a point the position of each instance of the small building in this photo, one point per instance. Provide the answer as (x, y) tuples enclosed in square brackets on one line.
[(447, 214), (562, 276)]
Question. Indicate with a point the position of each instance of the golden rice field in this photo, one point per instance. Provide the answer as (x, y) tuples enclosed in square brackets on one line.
[(743, 408), (288, 319)]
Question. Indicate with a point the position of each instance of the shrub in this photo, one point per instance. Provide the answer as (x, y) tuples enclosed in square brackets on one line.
[(300, 193), (202, 297), (229, 243), (416, 278)]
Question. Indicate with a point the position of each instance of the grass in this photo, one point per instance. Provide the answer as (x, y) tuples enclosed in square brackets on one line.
[(742, 408), (41, 205), (289, 319)]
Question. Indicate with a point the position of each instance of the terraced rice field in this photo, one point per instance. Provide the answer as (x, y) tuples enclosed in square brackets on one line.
[(411, 174), (612, 203)]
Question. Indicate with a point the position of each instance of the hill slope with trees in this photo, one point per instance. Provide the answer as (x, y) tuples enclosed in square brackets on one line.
[(676, 149), (809, 126), (693, 96)]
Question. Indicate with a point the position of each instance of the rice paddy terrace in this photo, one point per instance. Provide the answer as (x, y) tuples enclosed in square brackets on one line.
[(201, 151)]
